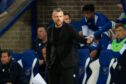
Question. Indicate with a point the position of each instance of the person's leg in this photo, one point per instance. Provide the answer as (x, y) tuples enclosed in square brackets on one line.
[(53, 79), (77, 73), (69, 76), (54, 75)]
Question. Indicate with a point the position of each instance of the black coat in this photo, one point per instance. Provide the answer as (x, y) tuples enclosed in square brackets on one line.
[(118, 75), (37, 46), (62, 46), (12, 72)]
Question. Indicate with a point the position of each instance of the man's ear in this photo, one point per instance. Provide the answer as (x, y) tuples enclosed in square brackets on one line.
[(10, 57)]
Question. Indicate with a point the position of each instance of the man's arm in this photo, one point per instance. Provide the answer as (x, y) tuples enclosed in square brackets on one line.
[(18, 73), (106, 27), (48, 48), (78, 37)]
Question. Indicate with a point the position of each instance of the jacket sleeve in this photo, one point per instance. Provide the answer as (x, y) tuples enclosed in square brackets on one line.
[(102, 20), (48, 49), (104, 28), (77, 37), (1, 73), (17, 73)]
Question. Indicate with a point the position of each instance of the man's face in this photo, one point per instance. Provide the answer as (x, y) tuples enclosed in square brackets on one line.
[(5, 59), (67, 19), (120, 32), (58, 18), (88, 14), (41, 33)]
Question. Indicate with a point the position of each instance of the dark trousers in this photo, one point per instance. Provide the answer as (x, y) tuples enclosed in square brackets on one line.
[(59, 75), (118, 75)]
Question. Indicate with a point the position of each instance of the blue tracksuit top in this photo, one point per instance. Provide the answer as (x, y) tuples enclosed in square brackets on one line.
[(96, 23)]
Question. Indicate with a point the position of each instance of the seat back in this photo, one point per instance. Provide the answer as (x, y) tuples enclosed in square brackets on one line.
[(30, 64), (84, 61), (113, 65), (94, 66), (106, 60), (16, 56)]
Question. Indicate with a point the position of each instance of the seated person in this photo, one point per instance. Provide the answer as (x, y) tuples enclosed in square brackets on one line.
[(41, 40), (111, 24), (118, 45), (10, 71), (39, 46), (118, 49), (91, 20)]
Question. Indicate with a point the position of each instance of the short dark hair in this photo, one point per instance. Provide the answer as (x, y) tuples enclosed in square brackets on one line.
[(88, 7), (120, 25), (42, 25), (5, 51), (57, 10), (66, 13)]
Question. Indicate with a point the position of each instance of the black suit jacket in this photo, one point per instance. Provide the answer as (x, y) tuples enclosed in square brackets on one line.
[(64, 47), (12, 73)]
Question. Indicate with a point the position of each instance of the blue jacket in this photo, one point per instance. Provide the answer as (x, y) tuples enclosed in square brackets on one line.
[(96, 23), (104, 28)]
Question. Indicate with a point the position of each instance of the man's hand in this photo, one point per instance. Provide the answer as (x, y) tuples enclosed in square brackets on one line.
[(41, 62), (80, 33), (9, 83)]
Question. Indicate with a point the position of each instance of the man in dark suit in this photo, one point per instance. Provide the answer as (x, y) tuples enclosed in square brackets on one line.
[(61, 53)]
